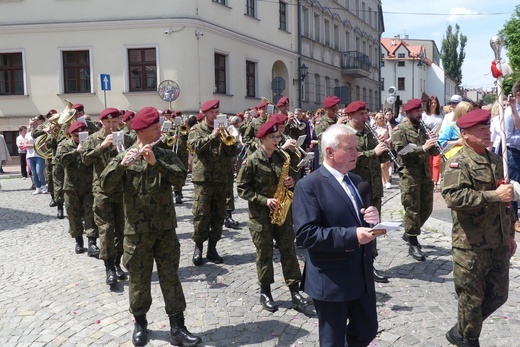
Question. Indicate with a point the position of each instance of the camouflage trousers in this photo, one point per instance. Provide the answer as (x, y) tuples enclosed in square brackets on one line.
[(48, 173), (263, 233), (140, 252), (184, 160), (230, 194), (417, 201), (110, 221), (58, 174), (209, 211), (481, 278), (79, 207)]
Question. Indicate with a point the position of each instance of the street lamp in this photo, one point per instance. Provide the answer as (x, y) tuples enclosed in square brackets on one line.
[(303, 71)]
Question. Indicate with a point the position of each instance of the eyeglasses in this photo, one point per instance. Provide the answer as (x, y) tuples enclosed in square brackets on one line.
[(274, 137)]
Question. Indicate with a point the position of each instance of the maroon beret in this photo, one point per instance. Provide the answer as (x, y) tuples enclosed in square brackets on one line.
[(167, 112), (109, 113), (77, 126), (278, 119), (129, 115), (266, 129), (331, 101), (412, 105), (473, 118), (356, 106), (200, 116), (263, 104), (146, 117), (78, 107), (177, 113), (282, 102), (210, 105), (51, 112)]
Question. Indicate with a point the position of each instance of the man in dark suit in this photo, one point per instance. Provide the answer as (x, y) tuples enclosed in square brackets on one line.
[(330, 222)]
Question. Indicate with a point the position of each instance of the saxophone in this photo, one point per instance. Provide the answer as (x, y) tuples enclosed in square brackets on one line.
[(283, 195)]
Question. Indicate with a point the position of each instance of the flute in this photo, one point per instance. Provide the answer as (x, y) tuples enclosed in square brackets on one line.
[(392, 156), (134, 157), (437, 144)]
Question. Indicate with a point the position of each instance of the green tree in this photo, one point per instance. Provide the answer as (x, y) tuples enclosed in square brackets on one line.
[(512, 43), (452, 52)]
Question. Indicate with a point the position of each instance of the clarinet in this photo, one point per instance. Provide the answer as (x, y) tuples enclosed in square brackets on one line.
[(134, 157), (437, 144), (374, 134)]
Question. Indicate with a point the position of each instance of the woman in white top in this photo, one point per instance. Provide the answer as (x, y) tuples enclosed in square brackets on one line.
[(36, 163), (385, 134), (432, 117)]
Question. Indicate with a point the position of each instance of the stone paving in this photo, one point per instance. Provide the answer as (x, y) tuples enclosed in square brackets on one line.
[(50, 296)]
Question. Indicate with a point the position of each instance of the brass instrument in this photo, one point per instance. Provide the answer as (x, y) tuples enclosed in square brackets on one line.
[(389, 151), (67, 118), (169, 140), (296, 123), (140, 151), (40, 144), (225, 136), (437, 144), (283, 195)]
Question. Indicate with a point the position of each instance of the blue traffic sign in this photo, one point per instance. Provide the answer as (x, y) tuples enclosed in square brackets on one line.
[(105, 81)]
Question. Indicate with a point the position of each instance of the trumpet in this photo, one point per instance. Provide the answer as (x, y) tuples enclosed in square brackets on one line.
[(437, 144), (225, 136), (389, 151), (296, 123), (140, 151)]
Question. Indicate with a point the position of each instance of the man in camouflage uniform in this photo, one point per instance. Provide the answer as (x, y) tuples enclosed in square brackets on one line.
[(249, 138), (97, 151), (415, 180), (371, 153), (77, 186), (330, 103), (147, 175), (128, 116), (211, 159), (483, 233), (257, 183)]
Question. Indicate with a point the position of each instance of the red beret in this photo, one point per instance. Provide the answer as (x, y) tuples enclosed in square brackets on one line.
[(355, 106), (129, 115), (146, 117), (473, 118), (412, 105), (266, 129), (51, 112), (331, 101), (200, 116), (109, 113), (210, 105), (77, 126), (278, 119), (177, 113), (78, 107), (167, 112), (282, 102), (261, 105)]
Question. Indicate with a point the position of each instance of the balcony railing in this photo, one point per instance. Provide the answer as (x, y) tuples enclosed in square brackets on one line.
[(355, 64)]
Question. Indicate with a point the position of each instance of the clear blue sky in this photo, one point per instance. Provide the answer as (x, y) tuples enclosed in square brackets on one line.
[(478, 20)]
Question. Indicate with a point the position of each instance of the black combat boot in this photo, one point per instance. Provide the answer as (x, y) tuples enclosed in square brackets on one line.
[(179, 335), (111, 272), (229, 222), (52, 203), (140, 334), (93, 250), (178, 198), (60, 210), (120, 274), (415, 249), (299, 303), (266, 299), (456, 338), (79, 245), (379, 277), (197, 254), (212, 253)]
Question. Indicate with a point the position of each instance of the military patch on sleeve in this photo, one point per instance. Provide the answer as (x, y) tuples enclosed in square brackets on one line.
[(454, 165)]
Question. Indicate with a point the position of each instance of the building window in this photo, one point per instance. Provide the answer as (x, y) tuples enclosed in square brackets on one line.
[(222, 2), (305, 16), (317, 27), (283, 16), (11, 74), (336, 37), (328, 88), (220, 74), (251, 8), (400, 63), (317, 88), (142, 65), (326, 32), (358, 93), (400, 83), (251, 79), (400, 55), (76, 71)]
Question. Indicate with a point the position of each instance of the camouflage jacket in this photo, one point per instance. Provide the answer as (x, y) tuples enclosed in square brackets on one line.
[(210, 155), (92, 154), (147, 190), (480, 221), (249, 137), (131, 133), (258, 179), (368, 163), (322, 124), (78, 176), (416, 163)]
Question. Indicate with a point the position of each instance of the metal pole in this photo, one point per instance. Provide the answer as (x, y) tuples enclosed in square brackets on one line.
[(300, 82), (105, 97)]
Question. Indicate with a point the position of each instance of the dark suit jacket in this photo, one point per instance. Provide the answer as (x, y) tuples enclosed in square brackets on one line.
[(337, 268)]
